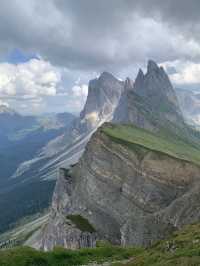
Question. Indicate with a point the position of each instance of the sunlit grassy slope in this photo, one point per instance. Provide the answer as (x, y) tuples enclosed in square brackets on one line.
[(161, 142)]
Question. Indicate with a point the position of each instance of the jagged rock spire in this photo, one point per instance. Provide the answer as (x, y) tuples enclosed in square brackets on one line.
[(139, 79), (106, 75), (152, 66), (103, 96), (155, 92), (155, 84)]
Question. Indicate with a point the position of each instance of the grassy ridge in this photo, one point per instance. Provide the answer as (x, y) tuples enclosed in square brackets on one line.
[(170, 145)]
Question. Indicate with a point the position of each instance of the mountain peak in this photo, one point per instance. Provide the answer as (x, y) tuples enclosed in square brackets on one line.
[(139, 79), (154, 83), (140, 73), (106, 75), (152, 66), (103, 96)]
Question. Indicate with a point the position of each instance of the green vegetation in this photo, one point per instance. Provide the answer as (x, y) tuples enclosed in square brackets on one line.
[(135, 137), (15, 205), (182, 248), (24, 256), (81, 223)]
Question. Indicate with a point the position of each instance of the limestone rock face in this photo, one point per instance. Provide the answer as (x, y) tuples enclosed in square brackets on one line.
[(128, 197), (150, 102), (155, 86), (103, 96), (131, 110), (60, 231)]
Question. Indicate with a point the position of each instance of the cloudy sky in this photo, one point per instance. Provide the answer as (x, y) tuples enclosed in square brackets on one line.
[(49, 49)]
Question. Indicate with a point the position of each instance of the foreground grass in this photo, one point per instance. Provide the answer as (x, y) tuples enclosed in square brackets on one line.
[(182, 248), (170, 145), (24, 256)]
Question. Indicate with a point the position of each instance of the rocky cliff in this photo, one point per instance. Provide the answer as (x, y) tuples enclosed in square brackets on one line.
[(150, 102), (127, 188), (103, 96), (138, 178)]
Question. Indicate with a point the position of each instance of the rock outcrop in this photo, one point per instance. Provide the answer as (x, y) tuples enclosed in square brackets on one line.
[(103, 97), (129, 196), (150, 102)]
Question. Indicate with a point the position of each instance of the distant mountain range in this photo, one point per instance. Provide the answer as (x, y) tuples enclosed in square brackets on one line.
[(21, 139)]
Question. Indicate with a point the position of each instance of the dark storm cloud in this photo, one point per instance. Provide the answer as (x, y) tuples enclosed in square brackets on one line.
[(107, 15), (96, 35), (180, 14), (178, 11), (101, 12)]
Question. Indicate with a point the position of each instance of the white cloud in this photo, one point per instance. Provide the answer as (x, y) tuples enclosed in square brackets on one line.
[(186, 73), (77, 96), (37, 86), (32, 79), (80, 90), (26, 86)]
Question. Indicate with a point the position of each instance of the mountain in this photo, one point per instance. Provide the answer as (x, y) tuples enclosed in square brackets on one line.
[(21, 139), (157, 88), (131, 187), (138, 178), (47, 143), (26, 135), (103, 96), (12, 122), (150, 102)]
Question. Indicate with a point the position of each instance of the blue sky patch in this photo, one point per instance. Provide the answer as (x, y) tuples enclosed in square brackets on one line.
[(17, 57)]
